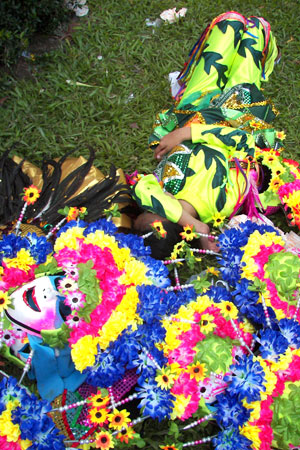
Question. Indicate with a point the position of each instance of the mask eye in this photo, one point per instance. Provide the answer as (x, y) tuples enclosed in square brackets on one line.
[(30, 300)]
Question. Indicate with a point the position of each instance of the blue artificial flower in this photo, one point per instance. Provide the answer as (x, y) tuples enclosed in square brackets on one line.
[(272, 344), (230, 411), (40, 248), (157, 272), (9, 389), (151, 333), (126, 348), (219, 294), (11, 244), (290, 329), (71, 224), (230, 266), (151, 303), (246, 300), (232, 239), (155, 402), (246, 379), (231, 439), (106, 371), (134, 242), (101, 224)]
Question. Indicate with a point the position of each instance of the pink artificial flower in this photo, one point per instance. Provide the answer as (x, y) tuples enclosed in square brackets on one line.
[(75, 299), (5, 445), (14, 277)]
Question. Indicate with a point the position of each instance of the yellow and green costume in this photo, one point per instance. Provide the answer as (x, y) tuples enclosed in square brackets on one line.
[(220, 99)]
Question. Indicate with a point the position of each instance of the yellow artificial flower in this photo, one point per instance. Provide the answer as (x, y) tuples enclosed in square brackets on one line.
[(98, 401), (168, 447), (98, 416), (218, 219), (189, 233), (69, 238), (280, 135), (251, 432), (84, 351), (135, 273), (197, 371), (4, 301), (157, 226), (275, 184), (206, 324), (8, 429), (201, 304), (23, 260), (180, 405), (255, 409), (177, 250), (255, 125), (104, 440), (31, 194), (119, 419), (125, 434), (25, 444), (228, 309), (213, 271), (165, 378)]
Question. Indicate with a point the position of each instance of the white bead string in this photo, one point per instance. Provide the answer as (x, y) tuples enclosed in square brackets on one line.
[(26, 367), (1, 328), (56, 228), (197, 422), (240, 337), (20, 219), (200, 441), (264, 305), (297, 308)]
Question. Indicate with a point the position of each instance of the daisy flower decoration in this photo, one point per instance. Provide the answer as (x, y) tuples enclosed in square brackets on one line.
[(255, 125), (218, 220), (189, 233), (158, 229), (280, 135), (31, 194), (4, 301)]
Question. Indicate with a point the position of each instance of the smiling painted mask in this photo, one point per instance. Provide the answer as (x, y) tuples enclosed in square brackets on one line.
[(38, 306)]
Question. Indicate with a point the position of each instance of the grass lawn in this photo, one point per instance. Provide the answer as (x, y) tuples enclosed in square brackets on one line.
[(129, 85), (48, 116)]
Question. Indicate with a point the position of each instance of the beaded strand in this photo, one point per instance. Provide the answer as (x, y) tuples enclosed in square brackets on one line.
[(197, 422), (240, 337), (56, 228), (1, 328), (200, 441), (264, 305), (21, 217), (297, 308), (26, 367)]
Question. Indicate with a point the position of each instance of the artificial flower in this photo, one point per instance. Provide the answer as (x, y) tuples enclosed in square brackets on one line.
[(280, 135), (188, 233), (218, 220), (228, 309), (98, 400), (84, 352), (207, 325), (126, 434), (165, 378), (104, 440), (4, 301), (197, 371), (158, 228), (118, 419), (99, 416), (31, 194)]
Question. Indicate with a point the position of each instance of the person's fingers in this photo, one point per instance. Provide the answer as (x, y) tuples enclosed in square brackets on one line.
[(160, 154)]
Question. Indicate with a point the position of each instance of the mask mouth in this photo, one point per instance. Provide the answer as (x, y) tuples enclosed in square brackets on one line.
[(30, 300)]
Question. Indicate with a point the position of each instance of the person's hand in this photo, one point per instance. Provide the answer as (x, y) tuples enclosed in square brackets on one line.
[(170, 141)]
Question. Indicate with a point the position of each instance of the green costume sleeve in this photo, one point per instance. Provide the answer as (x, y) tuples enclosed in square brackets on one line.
[(149, 195)]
